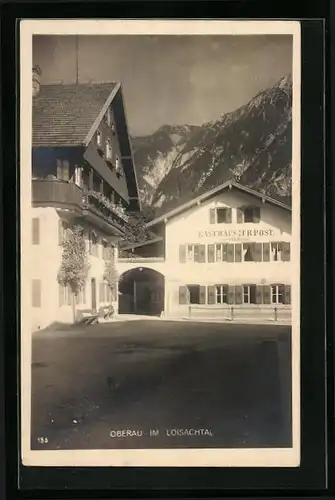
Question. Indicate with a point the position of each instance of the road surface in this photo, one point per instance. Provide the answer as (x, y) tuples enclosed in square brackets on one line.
[(150, 384)]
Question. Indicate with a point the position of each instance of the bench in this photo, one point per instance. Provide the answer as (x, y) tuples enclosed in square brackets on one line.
[(87, 317)]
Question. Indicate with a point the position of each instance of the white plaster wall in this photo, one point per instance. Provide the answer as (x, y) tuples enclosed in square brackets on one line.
[(189, 228), (45, 261)]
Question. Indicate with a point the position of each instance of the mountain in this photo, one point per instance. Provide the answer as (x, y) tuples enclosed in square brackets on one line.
[(252, 145), (154, 156)]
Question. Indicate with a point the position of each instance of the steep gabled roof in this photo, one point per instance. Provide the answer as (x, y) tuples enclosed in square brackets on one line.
[(212, 192), (69, 115), (63, 115)]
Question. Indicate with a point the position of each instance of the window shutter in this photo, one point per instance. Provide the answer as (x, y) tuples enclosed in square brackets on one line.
[(231, 295), (239, 216), (211, 253), (266, 294), (281, 291), (238, 252), (182, 253), (238, 294), (36, 231), (202, 295), (212, 215), (196, 253), (257, 215), (36, 293), (183, 295), (230, 252), (257, 252), (266, 252), (201, 253), (211, 295), (259, 295), (285, 247), (228, 215), (69, 295), (287, 297)]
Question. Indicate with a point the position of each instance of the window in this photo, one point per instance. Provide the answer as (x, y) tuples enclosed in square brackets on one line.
[(221, 294), (275, 251), (63, 170), (36, 231), (221, 252), (278, 294), (252, 252), (249, 294), (108, 150), (36, 293), (190, 253), (78, 176), (99, 138), (248, 214), (194, 294), (220, 215), (223, 215)]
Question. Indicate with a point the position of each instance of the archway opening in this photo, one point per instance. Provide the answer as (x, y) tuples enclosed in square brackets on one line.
[(141, 291)]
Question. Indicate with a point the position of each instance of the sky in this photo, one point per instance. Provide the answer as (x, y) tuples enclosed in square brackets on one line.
[(169, 79)]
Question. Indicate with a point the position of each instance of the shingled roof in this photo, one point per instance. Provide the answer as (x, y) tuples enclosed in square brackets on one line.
[(64, 114)]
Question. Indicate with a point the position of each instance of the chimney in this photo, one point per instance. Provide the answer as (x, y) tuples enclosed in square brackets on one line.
[(36, 79)]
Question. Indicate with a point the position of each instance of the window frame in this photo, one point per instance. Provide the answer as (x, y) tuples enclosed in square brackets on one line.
[(108, 150), (99, 138), (222, 292), (192, 247), (226, 211), (249, 286), (277, 294)]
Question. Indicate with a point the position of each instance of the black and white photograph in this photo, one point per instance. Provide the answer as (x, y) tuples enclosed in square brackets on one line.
[(160, 243)]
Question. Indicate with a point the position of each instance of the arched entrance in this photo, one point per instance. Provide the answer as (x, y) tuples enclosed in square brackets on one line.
[(141, 291)]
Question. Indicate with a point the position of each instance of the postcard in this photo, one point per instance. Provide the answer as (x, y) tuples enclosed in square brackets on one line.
[(160, 243)]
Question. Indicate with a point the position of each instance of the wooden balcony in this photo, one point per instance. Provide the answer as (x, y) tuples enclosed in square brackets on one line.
[(56, 193), (71, 198)]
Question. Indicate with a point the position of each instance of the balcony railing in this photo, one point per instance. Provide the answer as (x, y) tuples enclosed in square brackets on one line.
[(45, 192), (69, 195)]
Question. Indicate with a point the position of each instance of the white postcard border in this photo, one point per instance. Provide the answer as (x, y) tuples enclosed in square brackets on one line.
[(204, 457)]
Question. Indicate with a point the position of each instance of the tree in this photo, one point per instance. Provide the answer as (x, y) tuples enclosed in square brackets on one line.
[(111, 275), (135, 230), (74, 267)]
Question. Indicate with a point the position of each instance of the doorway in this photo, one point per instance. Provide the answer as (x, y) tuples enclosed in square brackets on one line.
[(141, 292)]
